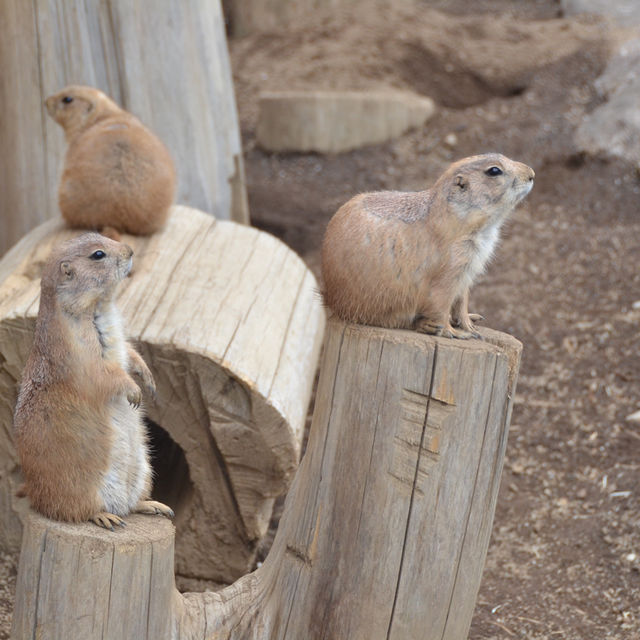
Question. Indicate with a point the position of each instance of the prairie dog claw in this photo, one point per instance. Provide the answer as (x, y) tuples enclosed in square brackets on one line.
[(107, 520), (152, 507)]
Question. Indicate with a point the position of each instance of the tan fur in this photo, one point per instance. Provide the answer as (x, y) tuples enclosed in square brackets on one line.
[(407, 260), (75, 386), (117, 173)]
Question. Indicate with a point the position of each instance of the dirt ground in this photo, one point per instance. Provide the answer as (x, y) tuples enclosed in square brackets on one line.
[(514, 77)]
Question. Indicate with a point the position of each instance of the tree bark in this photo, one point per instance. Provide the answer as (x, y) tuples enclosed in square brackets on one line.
[(166, 62), (229, 321), (386, 526)]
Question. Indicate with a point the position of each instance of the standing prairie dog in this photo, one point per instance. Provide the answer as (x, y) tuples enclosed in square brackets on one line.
[(407, 260), (79, 431), (117, 174)]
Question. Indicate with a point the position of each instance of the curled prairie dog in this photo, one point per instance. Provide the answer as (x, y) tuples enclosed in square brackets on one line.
[(79, 431), (117, 174), (407, 260)]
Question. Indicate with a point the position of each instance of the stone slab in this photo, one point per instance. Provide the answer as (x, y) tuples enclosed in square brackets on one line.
[(337, 121)]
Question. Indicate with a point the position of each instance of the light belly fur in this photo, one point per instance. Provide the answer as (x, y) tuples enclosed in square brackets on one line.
[(128, 476), (485, 244), (110, 327)]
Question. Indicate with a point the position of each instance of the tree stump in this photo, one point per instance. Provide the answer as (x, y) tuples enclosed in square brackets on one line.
[(230, 323), (387, 523), (166, 62), (92, 583)]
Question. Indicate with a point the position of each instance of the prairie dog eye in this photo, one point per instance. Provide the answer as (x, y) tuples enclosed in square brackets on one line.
[(98, 255), (494, 171), (67, 99)]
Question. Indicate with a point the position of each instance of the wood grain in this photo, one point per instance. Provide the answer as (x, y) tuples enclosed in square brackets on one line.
[(92, 583), (165, 62), (386, 526), (229, 321)]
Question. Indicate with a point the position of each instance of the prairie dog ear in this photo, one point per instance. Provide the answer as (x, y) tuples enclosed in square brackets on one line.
[(67, 270), (460, 181)]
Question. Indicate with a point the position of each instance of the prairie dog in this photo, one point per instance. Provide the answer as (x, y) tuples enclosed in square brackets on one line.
[(117, 174), (407, 260), (78, 427)]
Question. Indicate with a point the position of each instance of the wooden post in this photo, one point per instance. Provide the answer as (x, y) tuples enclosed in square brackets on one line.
[(80, 582), (166, 62), (229, 320), (386, 526)]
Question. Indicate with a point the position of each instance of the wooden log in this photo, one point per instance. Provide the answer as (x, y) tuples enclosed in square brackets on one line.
[(387, 523), (92, 583), (230, 323), (165, 62)]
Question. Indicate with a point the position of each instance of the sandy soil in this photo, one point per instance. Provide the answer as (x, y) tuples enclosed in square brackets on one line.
[(8, 572), (564, 560), (508, 76)]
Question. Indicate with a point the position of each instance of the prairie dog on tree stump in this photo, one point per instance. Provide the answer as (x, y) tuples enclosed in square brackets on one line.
[(117, 174), (407, 260), (78, 428)]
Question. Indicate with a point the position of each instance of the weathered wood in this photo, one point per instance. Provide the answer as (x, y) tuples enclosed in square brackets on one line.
[(166, 62), (230, 323), (92, 583), (387, 523)]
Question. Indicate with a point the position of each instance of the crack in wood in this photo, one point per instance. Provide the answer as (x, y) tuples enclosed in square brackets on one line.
[(473, 497), (413, 417), (43, 551), (299, 555)]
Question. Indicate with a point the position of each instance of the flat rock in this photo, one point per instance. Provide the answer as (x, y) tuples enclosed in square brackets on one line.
[(337, 121), (613, 128), (625, 12)]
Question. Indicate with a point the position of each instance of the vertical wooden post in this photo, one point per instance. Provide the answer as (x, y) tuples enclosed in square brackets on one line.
[(166, 62), (387, 523), (80, 581)]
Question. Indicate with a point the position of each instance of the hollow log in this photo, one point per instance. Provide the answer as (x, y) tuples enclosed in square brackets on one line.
[(166, 62), (230, 323), (385, 528)]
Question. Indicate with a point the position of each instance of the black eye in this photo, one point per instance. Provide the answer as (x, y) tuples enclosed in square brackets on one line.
[(67, 99), (494, 171), (98, 255)]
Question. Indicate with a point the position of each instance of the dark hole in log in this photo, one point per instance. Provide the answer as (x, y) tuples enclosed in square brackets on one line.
[(172, 483)]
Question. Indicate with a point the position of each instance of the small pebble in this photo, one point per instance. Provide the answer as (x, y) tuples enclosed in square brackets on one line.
[(620, 494), (517, 468), (451, 140)]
